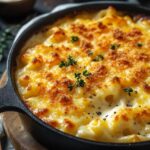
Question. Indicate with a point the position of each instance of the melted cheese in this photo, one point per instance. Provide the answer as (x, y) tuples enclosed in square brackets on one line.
[(110, 101)]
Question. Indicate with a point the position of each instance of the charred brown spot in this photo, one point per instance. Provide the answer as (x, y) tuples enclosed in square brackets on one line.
[(102, 71), (54, 61), (65, 100), (125, 117), (119, 35), (37, 60), (144, 57), (101, 26), (55, 55), (59, 35), (82, 30), (135, 33), (143, 115), (127, 131), (78, 28), (41, 112), (116, 80), (65, 82), (54, 94), (104, 44), (116, 118), (109, 99), (69, 124), (24, 81), (53, 123), (86, 45), (100, 74), (26, 77), (60, 32), (89, 36), (124, 63), (49, 76), (29, 88), (147, 88), (112, 55), (140, 75)]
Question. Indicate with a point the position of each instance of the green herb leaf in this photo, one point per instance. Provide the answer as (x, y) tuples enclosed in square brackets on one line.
[(128, 90), (70, 87), (71, 61), (86, 73), (98, 58), (77, 75), (74, 39), (90, 53), (139, 44), (62, 64), (80, 83), (114, 46)]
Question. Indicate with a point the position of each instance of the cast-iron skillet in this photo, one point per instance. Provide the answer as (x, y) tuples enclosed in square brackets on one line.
[(10, 99)]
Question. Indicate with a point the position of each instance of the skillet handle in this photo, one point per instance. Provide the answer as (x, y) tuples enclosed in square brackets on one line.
[(128, 1), (9, 100)]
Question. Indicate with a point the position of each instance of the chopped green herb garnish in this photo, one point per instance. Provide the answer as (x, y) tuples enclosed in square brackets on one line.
[(69, 62), (114, 46), (139, 44), (86, 73), (98, 58), (90, 53), (70, 87), (128, 90), (80, 83), (62, 64), (74, 39), (77, 75)]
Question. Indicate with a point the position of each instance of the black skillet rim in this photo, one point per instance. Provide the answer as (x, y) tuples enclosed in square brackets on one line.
[(43, 20)]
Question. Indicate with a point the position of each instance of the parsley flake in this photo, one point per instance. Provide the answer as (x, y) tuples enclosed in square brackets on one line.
[(86, 73), (70, 62), (128, 90), (80, 83), (74, 39), (114, 46), (70, 87), (62, 64), (139, 44), (98, 58), (77, 75), (90, 53)]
